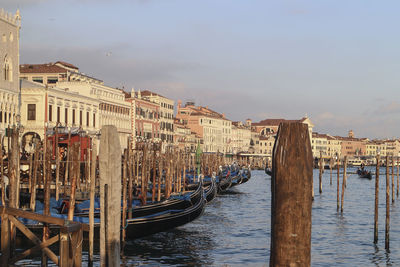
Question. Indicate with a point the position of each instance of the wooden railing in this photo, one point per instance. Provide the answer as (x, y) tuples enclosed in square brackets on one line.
[(70, 237)]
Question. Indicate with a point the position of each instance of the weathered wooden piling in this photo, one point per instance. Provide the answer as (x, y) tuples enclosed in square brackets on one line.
[(343, 183), (110, 176), (291, 197), (92, 200), (338, 181), (392, 179), (320, 171), (330, 168), (376, 200), (397, 173), (387, 219)]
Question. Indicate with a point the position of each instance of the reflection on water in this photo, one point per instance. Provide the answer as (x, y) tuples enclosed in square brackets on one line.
[(235, 229)]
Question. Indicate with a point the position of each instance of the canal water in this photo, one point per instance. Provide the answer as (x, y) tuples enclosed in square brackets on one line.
[(235, 229)]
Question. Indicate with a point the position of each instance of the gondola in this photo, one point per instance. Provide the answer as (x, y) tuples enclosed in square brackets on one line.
[(163, 221), (364, 174), (211, 190), (224, 183), (268, 171), (246, 175), (174, 202)]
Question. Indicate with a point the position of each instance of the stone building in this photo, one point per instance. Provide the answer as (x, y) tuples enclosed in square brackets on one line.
[(241, 137), (166, 107), (50, 106), (9, 61), (211, 126), (112, 109), (145, 117)]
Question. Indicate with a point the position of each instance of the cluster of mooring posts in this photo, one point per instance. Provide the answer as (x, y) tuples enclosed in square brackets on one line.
[(76, 172), (293, 193)]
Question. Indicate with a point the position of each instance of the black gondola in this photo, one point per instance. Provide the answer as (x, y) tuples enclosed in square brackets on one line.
[(163, 221), (211, 190)]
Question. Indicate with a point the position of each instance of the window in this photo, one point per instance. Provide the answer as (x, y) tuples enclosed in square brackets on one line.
[(94, 119), (7, 70), (50, 112), (66, 115), (52, 80), (80, 117), (31, 112), (73, 116), (87, 118), (5, 117), (37, 79), (58, 114), (1, 116)]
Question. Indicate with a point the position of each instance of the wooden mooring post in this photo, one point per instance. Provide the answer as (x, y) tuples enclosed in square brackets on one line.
[(376, 200), (291, 197), (110, 178), (343, 183), (320, 171), (387, 219)]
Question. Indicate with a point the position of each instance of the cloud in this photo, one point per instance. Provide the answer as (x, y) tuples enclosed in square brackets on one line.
[(12, 5), (388, 108)]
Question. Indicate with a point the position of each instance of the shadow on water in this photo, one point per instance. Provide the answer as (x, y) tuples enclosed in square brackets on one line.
[(172, 248)]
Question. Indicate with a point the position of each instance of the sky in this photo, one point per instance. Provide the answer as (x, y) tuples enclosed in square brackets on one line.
[(336, 62)]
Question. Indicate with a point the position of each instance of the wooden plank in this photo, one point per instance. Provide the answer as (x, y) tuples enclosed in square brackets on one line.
[(110, 174), (38, 247), (33, 216), (291, 197), (5, 239), (34, 239)]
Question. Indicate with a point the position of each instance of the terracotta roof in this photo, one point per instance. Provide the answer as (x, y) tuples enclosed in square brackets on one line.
[(41, 68), (66, 64), (149, 93)]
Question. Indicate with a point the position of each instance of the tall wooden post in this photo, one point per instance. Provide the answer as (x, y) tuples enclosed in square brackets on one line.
[(57, 165), (343, 183), (397, 173), (291, 197), (75, 175), (92, 200), (110, 175), (47, 182), (387, 221), (338, 181), (320, 172), (392, 179), (330, 168), (376, 200)]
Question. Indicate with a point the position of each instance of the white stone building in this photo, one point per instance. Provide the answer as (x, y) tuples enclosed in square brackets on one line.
[(9, 61)]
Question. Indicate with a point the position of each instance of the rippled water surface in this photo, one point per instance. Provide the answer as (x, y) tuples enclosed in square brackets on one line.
[(235, 229)]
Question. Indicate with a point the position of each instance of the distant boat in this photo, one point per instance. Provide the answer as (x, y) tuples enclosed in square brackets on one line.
[(364, 174), (268, 171)]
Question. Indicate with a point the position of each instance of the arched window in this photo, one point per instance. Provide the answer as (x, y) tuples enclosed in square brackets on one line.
[(7, 69)]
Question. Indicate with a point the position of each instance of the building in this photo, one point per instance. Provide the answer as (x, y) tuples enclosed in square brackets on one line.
[(241, 137), (9, 73), (166, 111), (319, 145), (271, 126), (145, 116), (113, 109), (266, 145), (44, 106), (392, 147), (184, 138), (209, 125)]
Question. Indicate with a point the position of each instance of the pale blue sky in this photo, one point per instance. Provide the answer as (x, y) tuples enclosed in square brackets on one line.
[(337, 61)]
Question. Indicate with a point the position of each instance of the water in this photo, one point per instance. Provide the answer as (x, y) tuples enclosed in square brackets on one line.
[(235, 229)]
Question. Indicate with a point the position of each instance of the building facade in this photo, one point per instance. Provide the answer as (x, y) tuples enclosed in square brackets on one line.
[(46, 107), (166, 115), (112, 108), (211, 126), (10, 25)]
